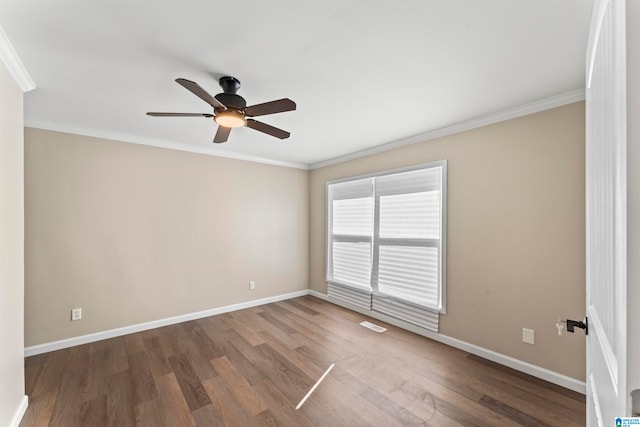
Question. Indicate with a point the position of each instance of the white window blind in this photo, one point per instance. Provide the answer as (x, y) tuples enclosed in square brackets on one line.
[(351, 233), (386, 237)]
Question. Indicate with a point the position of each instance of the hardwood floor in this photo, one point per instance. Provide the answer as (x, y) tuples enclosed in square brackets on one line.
[(252, 367)]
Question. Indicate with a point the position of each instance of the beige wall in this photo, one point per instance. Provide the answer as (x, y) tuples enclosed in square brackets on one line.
[(11, 248), (515, 246), (132, 233)]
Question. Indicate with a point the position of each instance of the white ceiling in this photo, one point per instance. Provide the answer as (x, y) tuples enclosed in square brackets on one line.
[(363, 73)]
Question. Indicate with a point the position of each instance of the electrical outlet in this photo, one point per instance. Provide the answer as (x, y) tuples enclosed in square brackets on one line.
[(252, 285), (76, 314), (528, 336)]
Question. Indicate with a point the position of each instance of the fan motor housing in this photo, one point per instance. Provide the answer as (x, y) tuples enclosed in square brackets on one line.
[(231, 100)]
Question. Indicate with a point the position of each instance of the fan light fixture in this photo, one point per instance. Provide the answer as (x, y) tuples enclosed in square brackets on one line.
[(230, 118)]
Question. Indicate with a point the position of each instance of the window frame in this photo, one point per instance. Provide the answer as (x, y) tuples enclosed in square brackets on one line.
[(376, 241)]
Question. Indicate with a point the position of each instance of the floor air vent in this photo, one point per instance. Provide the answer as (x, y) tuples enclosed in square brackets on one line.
[(373, 327)]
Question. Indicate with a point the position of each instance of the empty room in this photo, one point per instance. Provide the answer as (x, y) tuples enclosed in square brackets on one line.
[(339, 213)]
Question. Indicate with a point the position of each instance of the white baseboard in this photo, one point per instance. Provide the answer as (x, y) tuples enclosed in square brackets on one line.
[(518, 365), (20, 410), (112, 333)]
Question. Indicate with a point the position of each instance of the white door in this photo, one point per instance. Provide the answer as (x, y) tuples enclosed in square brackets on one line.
[(606, 204)]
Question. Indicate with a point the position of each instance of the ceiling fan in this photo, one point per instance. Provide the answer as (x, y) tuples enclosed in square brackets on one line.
[(230, 109)]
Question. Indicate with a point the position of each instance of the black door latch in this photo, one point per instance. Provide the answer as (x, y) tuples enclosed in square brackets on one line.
[(578, 324)]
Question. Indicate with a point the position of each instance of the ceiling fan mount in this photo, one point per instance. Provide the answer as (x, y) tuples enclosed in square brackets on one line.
[(229, 84), (230, 109)]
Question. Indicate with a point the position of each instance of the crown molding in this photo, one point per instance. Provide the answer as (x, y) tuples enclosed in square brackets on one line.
[(11, 60), (507, 114), (158, 143), (510, 113)]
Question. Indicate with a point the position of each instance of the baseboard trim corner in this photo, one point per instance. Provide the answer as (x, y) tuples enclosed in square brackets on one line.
[(519, 365), (125, 330), (20, 411)]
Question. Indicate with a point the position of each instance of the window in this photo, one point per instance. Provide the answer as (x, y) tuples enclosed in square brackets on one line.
[(385, 242)]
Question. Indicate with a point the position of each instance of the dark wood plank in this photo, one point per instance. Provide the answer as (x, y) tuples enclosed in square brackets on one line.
[(171, 398), (168, 342), (158, 362), (94, 385), (224, 402), (207, 416), (93, 412), (193, 338), (120, 407), (133, 343), (32, 374), (306, 366), (144, 388), (283, 410), (301, 307), (51, 373), (117, 360), (197, 347), (250, 371), (379, 400), (275, 321), (249, 334), (192, 389), (293, 382), (518, 417), (331, 396), (151, 414), (66, 410), (39, 411), (545, 388), (239, 386)]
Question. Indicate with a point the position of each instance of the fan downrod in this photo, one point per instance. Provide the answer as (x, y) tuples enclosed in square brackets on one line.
[(229, 85)]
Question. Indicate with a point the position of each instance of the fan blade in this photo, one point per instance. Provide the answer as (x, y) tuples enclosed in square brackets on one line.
[(272, 107), (222, 134), (179, 114), (268, 129), (194, 88)]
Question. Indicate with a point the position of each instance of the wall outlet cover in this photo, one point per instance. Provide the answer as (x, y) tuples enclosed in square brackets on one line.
[(528, 336)]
